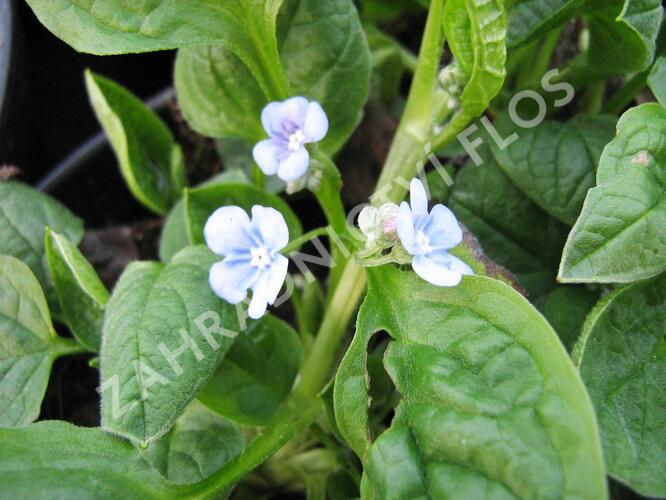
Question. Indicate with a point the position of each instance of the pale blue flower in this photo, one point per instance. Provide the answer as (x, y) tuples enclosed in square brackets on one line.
[(428, 236), (251, 255), (290, 124)]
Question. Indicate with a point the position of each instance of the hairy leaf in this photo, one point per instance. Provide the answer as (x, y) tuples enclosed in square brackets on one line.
[(199, 444), (257, 374), (201, 202), (24, 214), (81, 293), (28, 344), (56, 459), (165, 334), (620, 235), (622, 359), (150, 161), (491, 404), (554, 163)]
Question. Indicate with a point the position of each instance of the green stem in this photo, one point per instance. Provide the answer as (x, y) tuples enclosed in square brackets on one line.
[(297, 243), (68, 347)]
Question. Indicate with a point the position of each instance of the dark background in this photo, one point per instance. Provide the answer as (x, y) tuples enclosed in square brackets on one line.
[(47, 114)]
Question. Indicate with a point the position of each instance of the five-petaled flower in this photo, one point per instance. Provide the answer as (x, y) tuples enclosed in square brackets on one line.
[(251, 255), (290, 125), (428, 236)]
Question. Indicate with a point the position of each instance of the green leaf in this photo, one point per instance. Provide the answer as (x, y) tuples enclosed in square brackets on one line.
[(476, 32), (566, 309), (56, 459), (554, 163), (24, 214), (174, 235), (657, 80), (325, 58), (150, 161), (28, 344), (622, 360), (257, 374), (217, 93), (512, 230), (199, 444), (165, 333), (201, 202), (491, 404), (80, 291), (120, 26), (620, 235), (623, 33), (529, 19)]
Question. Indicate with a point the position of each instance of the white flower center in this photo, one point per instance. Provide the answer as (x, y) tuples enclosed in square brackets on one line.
[(261, 258), (296, 140), (423, 243)]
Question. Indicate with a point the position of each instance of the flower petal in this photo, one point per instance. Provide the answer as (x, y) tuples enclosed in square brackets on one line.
[(294, 110), (271, 118), (459, 266), (405, 227), (315, 126), (294, 166), (436, 270), (267, 288), (267, 155), (272, 226), (444, 230), (225, 230), (418, 197), (231, 278)]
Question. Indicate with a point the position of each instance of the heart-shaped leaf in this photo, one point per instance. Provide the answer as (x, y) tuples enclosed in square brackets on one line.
[(165, 334), (620, 235), (491, 404), (622, 360)]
